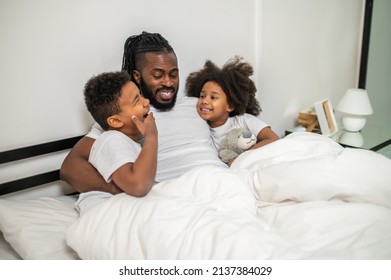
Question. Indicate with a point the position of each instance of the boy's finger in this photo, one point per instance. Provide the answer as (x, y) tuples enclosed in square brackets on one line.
[(149, 115), (136, 121)]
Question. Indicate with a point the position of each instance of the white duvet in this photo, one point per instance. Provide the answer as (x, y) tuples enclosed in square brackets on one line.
[(302, 197)]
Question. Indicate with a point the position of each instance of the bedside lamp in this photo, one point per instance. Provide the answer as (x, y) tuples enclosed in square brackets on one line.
[(355, 105), (354, 139)]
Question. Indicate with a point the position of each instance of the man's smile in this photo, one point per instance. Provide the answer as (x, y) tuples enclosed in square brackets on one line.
[(165, 95)]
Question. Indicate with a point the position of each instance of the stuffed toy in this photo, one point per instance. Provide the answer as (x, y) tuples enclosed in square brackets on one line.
[(234, 142)]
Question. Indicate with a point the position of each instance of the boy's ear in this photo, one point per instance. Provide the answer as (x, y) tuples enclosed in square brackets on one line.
[(114, 121), (136, 76)]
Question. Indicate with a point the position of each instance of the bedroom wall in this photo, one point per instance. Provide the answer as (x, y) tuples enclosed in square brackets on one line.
[(305, 50), (309, 50), (302, 51), (50, 48)]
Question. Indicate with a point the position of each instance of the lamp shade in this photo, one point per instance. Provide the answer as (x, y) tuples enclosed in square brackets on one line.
[(355, 102)]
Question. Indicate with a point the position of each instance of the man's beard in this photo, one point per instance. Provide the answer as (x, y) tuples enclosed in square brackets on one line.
[(152, 100)]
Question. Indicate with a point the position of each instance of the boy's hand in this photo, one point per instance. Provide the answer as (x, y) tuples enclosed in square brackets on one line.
[(148, 127)]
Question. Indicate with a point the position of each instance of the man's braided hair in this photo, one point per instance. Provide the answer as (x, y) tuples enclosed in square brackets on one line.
[(140, 44)]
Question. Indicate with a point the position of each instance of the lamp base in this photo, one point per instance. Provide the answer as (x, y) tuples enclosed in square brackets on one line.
[(353, 123), (354, 139)]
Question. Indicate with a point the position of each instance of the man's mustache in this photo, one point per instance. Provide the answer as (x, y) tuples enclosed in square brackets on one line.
[(166, 88)]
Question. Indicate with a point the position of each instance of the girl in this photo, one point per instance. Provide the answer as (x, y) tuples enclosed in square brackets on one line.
[(226, 100)]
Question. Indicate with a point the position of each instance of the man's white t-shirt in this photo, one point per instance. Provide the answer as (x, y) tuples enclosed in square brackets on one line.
[(184, 140), (248, 121)]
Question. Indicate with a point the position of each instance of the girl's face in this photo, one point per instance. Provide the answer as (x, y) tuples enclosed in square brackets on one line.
[(213, 105)]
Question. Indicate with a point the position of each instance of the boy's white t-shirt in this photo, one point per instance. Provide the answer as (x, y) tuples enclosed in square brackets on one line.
[(248, 121), (111, 150), (184, 140)]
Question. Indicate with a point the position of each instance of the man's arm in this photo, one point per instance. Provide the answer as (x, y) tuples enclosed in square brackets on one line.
[(80, 174)]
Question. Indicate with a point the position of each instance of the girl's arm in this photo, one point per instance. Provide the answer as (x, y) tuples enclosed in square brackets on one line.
[(264, 137)]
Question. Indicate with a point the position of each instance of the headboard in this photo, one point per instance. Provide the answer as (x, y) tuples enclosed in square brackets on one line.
[(30, 152)]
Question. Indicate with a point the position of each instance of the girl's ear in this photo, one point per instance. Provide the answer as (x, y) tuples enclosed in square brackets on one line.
[(114, 122), (136, 76), (230, 108)]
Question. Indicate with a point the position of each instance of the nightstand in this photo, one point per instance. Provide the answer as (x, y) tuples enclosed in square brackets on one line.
[(371, 137)]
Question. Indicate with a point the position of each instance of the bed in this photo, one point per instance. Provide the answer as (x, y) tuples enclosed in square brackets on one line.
[(302, 197)]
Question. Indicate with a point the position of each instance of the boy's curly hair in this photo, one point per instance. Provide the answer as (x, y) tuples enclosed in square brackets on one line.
[(101, 95), (234, 79)]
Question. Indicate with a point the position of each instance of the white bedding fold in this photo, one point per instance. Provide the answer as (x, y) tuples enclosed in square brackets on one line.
[(307, 167), (216, 213), (178, 219)]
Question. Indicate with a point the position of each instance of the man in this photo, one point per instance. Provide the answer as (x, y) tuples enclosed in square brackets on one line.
[(184, 140)]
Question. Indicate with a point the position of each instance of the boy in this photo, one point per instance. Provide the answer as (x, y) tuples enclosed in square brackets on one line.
[(116, 104)]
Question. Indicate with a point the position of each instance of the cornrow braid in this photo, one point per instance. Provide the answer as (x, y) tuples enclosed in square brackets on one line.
[(142, 43)]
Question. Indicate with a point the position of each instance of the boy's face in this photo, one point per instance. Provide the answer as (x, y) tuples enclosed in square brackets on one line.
[(213, 105), (159, 79), (132, 103)]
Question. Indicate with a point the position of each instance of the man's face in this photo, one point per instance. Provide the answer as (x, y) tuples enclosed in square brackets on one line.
[(159, 79)]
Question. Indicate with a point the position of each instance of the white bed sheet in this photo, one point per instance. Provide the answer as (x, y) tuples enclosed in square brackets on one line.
[(297, 198)]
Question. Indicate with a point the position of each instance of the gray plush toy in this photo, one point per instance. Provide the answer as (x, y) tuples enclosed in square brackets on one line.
[(234, 142)]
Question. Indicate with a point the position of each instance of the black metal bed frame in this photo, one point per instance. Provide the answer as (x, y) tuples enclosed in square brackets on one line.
[(30, 152)]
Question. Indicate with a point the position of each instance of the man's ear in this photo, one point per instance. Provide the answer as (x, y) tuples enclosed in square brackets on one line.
[(136, 76), (114, 122)]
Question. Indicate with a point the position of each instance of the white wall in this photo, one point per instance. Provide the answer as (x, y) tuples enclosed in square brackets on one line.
[(302, 50), (309, 51), (49, 49)]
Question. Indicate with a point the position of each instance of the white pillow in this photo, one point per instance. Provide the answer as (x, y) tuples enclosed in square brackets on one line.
[(36, 228)]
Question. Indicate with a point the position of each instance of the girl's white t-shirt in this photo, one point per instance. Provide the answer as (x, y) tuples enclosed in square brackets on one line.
[(248, 121)]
